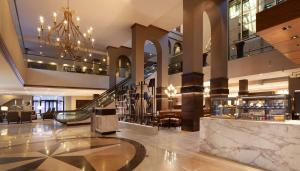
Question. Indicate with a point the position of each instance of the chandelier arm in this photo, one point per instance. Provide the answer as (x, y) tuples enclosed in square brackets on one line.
[(54, 30)]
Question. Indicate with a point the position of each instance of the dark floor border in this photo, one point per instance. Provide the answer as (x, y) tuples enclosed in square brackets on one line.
[(140, 154)]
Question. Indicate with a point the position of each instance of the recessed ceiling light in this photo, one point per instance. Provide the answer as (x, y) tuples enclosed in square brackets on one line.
[(41, 53), (295, 37), (286, 28), (40, 62), (84, 59)]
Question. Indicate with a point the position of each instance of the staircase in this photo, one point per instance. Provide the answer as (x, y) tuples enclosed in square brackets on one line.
[(83, 114)]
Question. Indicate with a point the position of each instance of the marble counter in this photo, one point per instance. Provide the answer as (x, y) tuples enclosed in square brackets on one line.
[(270, 145)]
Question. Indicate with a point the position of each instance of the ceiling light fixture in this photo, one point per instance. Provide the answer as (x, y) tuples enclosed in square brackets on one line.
[(65, 34), (294, 37)]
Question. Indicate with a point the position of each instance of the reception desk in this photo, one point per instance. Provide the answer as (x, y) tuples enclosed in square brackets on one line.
[(269, 145)]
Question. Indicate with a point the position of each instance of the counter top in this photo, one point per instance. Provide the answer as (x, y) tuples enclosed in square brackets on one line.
[(266, 144), (287, 122)]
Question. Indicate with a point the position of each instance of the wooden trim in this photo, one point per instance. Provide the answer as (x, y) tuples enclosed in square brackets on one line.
[(137, 24), (9, 59), (125, 47), (161, 29), (66, 87)]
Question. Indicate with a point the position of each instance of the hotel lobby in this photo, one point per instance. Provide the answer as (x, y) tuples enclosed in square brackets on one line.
[(185, 85)]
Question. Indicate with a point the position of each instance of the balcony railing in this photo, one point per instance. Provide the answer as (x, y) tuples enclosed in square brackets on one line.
[(263, 4), (66, 65)]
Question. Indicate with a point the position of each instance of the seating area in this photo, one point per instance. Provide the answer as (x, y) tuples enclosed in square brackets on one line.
[(17, 116), (169, 118), (49, 114)]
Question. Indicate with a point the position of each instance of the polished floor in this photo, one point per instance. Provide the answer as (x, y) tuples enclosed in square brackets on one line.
[(48, 145)]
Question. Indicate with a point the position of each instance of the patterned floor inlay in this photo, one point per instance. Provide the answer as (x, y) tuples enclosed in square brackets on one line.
[(85, 154)]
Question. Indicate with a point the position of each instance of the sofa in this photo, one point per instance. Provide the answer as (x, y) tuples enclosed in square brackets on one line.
[(26, 116), (13, 116)]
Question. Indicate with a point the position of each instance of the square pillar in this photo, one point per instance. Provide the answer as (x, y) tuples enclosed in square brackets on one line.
[(192, 101)]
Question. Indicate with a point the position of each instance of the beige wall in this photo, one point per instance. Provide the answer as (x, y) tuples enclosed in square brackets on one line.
[(70, 101), (8, 33), (6, 98), (252, 65), (65, 79)]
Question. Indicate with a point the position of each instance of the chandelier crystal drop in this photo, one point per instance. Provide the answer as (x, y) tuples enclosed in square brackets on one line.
[(65, 35)]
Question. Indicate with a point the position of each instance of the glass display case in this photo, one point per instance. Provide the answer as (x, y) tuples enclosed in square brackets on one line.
[(259, 108), (272, 108), (224, 107)]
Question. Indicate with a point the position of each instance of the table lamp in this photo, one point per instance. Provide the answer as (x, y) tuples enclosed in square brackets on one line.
[(4, 108)]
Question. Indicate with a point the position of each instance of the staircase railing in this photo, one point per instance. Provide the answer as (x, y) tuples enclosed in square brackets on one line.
[(84, 112), (102, 100)]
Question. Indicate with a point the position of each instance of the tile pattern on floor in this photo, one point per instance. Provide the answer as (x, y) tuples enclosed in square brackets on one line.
[(170, 150)]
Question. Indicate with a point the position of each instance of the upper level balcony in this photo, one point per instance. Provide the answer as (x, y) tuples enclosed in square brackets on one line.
[(280, 27)]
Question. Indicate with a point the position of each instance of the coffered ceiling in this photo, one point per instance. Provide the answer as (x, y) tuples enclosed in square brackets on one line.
[(111, 19)]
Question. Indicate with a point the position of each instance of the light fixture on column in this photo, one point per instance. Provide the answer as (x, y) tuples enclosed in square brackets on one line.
[(170, 92), (66, 35)]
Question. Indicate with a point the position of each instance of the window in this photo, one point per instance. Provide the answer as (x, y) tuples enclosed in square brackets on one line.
[(42, 103)]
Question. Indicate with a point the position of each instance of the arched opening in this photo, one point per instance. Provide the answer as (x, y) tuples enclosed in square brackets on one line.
[(206, 40), (123, 68), (150, 58), (177, 48)]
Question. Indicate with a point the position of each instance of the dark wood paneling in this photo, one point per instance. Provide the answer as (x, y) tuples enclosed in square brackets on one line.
[(81, 103), (284, 12)]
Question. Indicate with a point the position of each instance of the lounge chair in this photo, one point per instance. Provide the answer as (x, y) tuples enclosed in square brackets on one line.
[(13, 117), (26, 116), (49, 115)]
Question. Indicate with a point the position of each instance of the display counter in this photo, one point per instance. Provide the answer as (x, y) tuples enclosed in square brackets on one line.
[(259, 108), (269, 145)]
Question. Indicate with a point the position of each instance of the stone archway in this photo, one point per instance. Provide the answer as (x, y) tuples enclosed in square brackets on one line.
[(177, 48), (159, 37), (123, 67), (217, 13), (114, 53), (192, 77)]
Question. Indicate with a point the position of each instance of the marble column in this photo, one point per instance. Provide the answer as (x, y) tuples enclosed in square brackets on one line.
[(192, 77), (192, 101), (161, 99), (162, 74), (217, 11), (138, 41), (243, 87), (219, 87)]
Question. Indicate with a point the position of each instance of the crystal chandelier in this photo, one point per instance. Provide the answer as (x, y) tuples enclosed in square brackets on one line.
[(66, 35)]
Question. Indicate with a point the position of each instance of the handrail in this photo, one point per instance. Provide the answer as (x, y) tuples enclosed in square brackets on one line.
[(103, 98)]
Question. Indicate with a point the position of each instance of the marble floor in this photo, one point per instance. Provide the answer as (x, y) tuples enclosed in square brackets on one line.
[(48, 145)]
